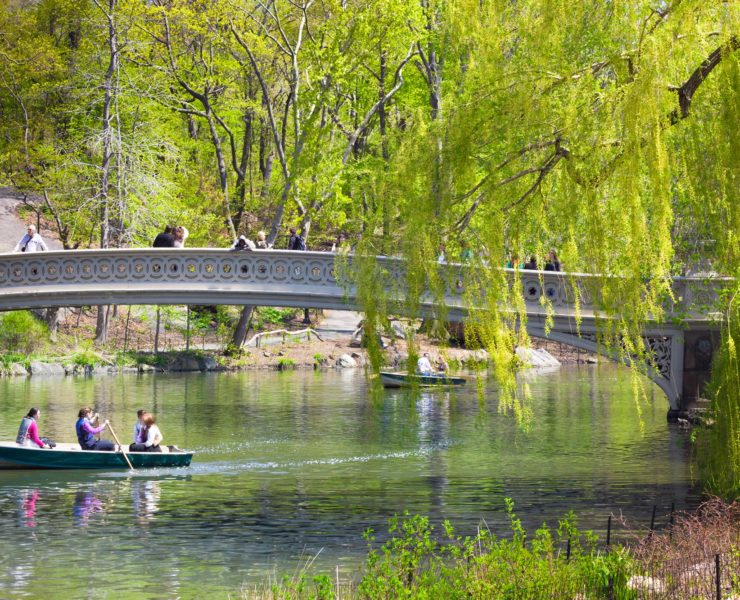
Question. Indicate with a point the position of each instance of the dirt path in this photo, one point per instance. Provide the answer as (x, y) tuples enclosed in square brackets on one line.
[(12, 228)]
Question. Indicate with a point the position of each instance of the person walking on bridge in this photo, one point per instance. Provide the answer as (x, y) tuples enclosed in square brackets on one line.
[(298, 242), (31, 242)]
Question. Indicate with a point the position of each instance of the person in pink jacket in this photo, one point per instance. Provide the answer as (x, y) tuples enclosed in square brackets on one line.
[(28, 432)]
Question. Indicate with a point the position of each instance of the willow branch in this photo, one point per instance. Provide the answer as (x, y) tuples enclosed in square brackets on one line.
[(688, 89)]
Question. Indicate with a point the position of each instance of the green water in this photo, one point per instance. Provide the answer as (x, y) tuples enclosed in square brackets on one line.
[(294, 465)]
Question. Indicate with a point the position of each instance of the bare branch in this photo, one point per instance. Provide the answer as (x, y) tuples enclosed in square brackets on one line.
[(688, 89), (398, 78)]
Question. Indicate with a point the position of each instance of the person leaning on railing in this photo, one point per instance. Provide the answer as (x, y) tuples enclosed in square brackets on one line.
[(31, 242)]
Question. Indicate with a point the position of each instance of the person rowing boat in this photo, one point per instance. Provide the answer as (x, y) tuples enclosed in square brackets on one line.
[(86, 431)]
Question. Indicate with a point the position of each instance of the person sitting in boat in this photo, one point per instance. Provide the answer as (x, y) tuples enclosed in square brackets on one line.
[(153, 434), (423, 366), (28, 432), (140, 433), (139, 428), (86, 432), (442, 366)]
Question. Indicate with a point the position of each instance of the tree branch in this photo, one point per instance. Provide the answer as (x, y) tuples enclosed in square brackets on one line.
[(688, 89)]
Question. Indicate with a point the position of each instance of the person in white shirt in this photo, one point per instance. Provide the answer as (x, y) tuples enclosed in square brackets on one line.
[(153, 434), (423, 366), (31, 242), (442, 257)]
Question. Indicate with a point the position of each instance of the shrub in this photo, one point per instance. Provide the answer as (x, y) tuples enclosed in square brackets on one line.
[(21, 332), (86, 358), (414, 562), (319, 359), (272, 316), (285, 363)]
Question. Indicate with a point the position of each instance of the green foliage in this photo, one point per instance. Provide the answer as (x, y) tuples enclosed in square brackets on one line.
[(142, 358), (413, 564), (272, 316), (21, 332), (8, 359), (319, 360), (719, 444), (285, 363), (86, 358), (526, 126)]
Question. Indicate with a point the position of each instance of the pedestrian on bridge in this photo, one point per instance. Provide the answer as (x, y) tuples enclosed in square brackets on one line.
[(298, 242), (179, 235), (165, 239), (31, 242), (261, 243)]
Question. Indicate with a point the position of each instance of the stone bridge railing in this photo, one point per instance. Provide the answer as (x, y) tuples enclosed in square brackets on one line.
[(268, 278)]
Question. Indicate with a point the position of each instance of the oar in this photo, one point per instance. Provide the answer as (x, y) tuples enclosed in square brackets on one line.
[(115, 437)]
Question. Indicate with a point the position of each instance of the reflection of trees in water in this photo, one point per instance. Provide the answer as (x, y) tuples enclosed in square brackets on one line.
[(433, 415), (145, 499)]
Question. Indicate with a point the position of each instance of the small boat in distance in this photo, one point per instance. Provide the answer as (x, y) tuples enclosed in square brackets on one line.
[(70, 456), (395, 380)]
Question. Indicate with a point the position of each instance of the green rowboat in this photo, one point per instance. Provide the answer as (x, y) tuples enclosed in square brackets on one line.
[(410, 379), (70, 456)]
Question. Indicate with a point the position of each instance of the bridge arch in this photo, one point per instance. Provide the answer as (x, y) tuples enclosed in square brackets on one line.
[(298, 279)]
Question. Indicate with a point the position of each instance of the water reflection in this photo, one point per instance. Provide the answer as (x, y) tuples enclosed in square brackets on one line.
[(298, 462), (27, 507), (86, 505), (145, 500)]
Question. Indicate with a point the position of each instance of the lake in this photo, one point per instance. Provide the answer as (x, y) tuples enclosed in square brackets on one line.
[(294, 466)]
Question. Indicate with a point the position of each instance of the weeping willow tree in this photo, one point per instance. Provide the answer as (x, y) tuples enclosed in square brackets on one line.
[(607, 130)]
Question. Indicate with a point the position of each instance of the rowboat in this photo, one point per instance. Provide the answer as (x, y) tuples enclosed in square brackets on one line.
[(395, 380), (70, 456)]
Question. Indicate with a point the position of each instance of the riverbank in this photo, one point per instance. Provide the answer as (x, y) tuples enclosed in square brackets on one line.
[(145, 339), (697, 555)]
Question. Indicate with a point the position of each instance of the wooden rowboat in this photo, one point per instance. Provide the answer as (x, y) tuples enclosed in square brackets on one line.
[(395, 380), (70, 456)]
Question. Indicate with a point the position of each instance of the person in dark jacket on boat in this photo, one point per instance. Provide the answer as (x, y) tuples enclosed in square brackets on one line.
[(140, 428), (28, 432), (140, 433), (86, 432)]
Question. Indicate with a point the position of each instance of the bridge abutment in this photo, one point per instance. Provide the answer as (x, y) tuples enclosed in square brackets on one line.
[(698, 350)]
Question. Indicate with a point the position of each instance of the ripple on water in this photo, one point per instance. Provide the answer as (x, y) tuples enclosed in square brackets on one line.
[(294, 466)]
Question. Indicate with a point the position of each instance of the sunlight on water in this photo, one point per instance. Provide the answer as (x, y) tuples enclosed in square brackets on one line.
[(293, 467)]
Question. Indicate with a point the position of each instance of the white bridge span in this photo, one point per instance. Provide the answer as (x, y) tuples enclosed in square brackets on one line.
[(298, 279)]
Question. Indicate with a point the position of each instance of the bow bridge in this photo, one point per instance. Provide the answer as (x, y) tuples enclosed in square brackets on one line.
[(682, 352)]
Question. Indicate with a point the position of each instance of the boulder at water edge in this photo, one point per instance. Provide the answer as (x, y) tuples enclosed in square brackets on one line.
[(17, 369), (346, 362), (46, 369)]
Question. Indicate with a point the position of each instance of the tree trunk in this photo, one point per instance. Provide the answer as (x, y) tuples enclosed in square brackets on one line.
[(156, 333), (222, 172), (110, 87), (52, 321), (242, 327), (101, 328)]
